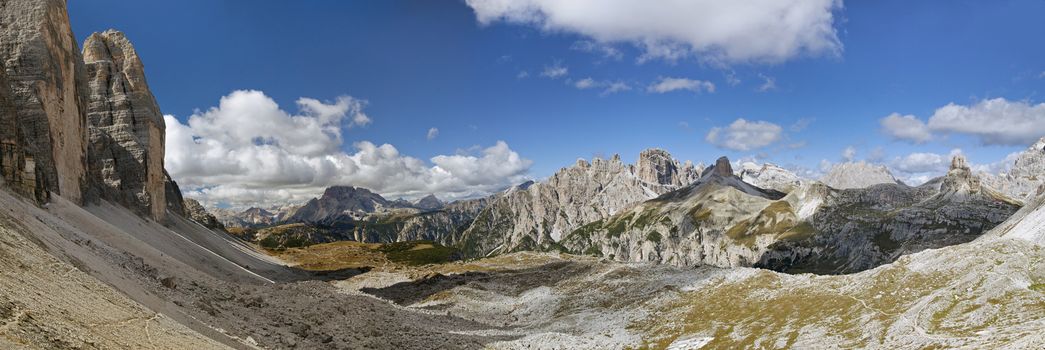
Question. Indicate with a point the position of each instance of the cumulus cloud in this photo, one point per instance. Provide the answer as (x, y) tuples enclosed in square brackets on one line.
[(432, 133), (555, 71), (743, 135), (248, 151), (584, 84), (917, 168), (905, 127), (1000, 167), (921, 163), (669, 84), (714, 31), (993, 122)]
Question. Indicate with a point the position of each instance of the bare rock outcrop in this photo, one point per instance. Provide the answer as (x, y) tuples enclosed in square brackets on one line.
[(770, 176), (537, 216), (429, 202), (342, 204), (656, 166), (195, 211), (126, 129), (42, 144), (1026, 175), (858, 175)]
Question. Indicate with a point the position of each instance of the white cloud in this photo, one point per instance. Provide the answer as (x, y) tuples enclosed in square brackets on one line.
[(714, 31), (248, 151), (849, 153), (743, 135), (607, 51), (669, 84), (906, 127), (994, 122), (999, 167), (921, 163), (801, 124), (555, 71), (768, 83), (731, 78), (432, 134), (615, 87), (586, 83), (608, 88), (917, 168), (522, 75)]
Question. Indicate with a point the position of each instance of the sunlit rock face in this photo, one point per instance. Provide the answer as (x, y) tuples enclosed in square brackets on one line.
[(1025, 176), (126, 128), (538, 215), (857, 175), (42, 108)]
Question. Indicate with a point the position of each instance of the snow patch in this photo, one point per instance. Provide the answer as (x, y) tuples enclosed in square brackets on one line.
[(692, 343)]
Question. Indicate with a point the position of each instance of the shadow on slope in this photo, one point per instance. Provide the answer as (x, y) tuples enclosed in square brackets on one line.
[(212, 285)]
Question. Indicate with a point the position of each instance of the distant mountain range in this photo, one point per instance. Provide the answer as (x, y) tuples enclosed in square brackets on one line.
[(659, 209)]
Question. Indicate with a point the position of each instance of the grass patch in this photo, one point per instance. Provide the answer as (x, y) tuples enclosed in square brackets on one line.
[(416, 253), (653, 236), (799, 232)]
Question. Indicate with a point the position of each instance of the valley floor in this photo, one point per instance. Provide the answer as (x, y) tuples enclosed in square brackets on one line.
[(102, 278)]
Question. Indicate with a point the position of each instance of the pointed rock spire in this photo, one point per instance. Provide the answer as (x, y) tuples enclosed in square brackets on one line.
[(723, 167), (958, 162)]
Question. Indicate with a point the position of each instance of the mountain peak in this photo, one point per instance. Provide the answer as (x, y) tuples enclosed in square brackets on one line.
[(723, 167), (958, 162), (1039, 146), (429, 202), (858, 175), (656, 166)]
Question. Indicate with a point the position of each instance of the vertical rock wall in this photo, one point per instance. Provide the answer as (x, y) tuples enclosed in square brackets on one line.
[(46, 148), (126, 139)]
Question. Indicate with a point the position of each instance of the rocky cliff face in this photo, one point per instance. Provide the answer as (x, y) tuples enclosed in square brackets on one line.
[(172, 194), (250, 218), (656, 166), (857, 175), (858, 229), (537, 216), (43, 143), (718, 220), (341, 204), (429, 202), (1026, 175), (126, 139), (444, 226), (195, 211), (769, 176), (723, 221)]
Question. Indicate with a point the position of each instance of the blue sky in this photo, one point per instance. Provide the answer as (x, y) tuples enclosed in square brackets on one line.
[(433, 64)]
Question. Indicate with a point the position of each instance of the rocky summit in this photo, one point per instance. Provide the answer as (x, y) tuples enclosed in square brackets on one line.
[(537, 216), (126, 129), (723, 221), (1024, 176), (769, 176), (857, 175)]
